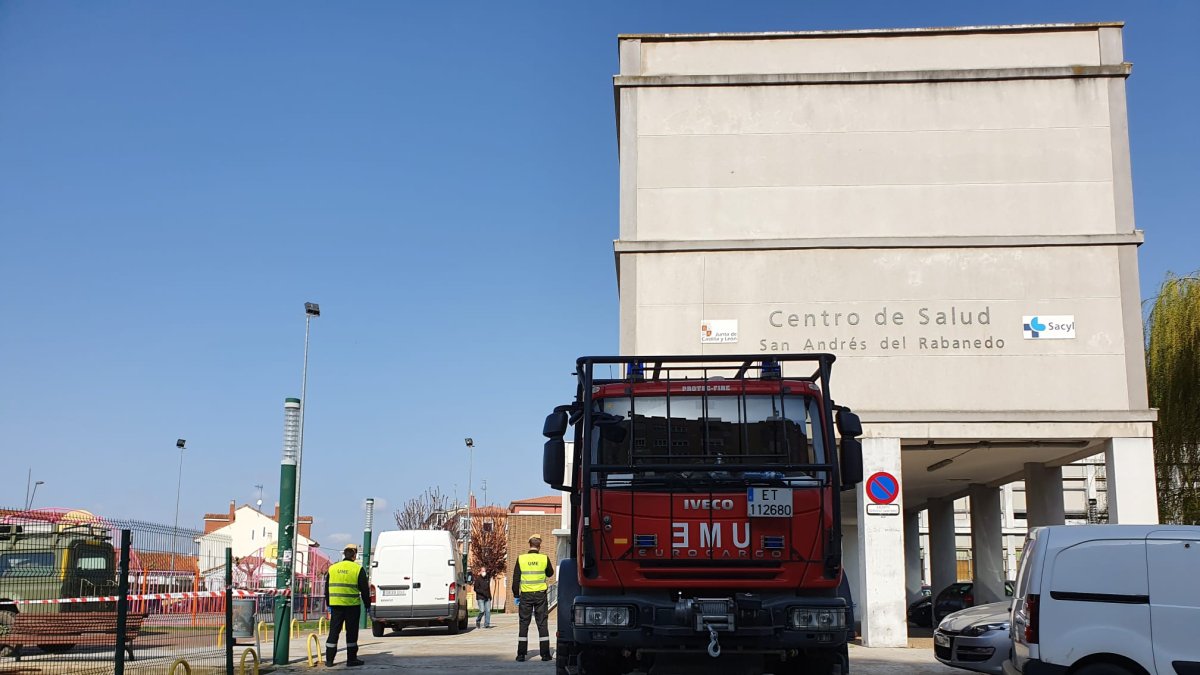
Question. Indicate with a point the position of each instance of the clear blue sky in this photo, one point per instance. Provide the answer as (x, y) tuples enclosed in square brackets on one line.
[(176, 179)]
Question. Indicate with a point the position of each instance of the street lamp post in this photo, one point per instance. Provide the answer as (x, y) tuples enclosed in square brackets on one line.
[(311, 311), (29, 499), (470, 466), (179, 443)]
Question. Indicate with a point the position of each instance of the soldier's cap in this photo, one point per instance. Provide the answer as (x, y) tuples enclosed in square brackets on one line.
[(536, 537), (350, 547)]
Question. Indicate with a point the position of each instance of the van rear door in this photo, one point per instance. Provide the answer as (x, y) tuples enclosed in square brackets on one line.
[(1173, 557), (393, 581), (433, 572)]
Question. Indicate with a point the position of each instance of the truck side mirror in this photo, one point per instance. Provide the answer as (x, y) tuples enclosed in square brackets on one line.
[(849, 427), (556, 424), (554, 463), (852, 462), (848, 424)]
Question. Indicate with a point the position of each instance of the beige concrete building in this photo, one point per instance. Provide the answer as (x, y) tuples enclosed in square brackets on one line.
[(950, 212)]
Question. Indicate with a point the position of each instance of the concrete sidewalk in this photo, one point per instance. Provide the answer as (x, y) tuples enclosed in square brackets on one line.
[(486, 652)]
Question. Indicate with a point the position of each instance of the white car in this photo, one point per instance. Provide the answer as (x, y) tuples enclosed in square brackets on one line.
[(1108, 600), (976, 638)]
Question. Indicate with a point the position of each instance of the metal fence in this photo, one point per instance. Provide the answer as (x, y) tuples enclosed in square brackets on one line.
[(82, 594)]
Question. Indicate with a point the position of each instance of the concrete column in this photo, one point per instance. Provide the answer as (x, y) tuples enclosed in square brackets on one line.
[(943, 549), (912, 556), (1044, 495), (987, 544), (1132, 497), (881, 606)]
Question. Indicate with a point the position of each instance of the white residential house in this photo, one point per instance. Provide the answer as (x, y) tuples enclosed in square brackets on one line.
[(252, 536)]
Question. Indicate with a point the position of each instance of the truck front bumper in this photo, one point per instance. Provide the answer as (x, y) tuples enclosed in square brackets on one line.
[(753, 624)]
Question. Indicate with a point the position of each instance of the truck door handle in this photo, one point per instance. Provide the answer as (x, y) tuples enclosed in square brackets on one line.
[(417, 585)]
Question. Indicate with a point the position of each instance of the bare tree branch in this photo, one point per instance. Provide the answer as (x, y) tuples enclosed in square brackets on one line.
[(430, 510)]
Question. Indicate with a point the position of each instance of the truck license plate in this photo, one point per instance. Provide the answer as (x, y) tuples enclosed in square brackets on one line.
[(394, 591), (769, 502)]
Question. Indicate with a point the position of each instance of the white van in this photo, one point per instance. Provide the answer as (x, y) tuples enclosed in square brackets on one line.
[(417, 580), (1108, 600)]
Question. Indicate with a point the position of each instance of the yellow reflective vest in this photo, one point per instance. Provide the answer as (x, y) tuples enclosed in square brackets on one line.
[(343, 584), (533, 571)]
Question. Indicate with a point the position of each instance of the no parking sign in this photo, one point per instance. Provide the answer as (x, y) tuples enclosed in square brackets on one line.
[(882, 489)]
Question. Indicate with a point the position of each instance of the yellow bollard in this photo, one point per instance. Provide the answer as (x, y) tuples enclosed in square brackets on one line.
[(295, 629), (314, 658), (249, 652), (220, 638), (323, 625), (262, 632), (180, 662)]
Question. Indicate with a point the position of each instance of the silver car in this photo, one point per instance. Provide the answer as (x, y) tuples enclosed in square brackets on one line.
[(975, 638)]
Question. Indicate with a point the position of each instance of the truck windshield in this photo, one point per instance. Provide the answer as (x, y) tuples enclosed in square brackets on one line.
[(27, 564), (765, 431)]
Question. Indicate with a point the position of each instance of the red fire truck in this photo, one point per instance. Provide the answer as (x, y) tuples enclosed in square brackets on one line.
[(705, 515)]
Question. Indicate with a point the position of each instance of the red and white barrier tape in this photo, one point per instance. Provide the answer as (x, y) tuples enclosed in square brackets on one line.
[(237, 593)]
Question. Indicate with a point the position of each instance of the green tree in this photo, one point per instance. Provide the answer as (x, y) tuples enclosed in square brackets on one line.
[(1173, 373)]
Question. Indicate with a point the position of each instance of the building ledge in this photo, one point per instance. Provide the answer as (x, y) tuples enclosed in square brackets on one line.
[(884, 77), (620, 247)]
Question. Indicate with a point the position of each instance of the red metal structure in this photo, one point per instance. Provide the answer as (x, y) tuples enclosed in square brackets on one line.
[(706, 525)]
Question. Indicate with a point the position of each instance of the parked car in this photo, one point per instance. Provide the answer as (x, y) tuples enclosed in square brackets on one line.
[(1107, 600), (959, 596), (976, 638), (920, 612), (417, 580)]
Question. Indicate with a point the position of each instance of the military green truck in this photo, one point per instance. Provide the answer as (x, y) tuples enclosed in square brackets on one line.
[(52, 560)]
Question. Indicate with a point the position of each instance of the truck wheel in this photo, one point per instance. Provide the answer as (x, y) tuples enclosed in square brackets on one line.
[(377, 628), (8, 615), (562, 656), (592, 663), (452, 625)]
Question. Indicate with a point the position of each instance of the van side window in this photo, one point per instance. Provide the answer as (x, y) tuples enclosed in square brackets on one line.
[(1028, 556)]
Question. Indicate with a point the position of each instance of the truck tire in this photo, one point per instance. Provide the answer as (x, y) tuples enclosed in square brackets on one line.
[(452, 626), (377, 628), (8, 615), (593, 662), (562, 656)]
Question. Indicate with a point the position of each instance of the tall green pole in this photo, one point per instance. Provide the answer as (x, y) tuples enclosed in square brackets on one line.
[(287, 512), (366, 550)]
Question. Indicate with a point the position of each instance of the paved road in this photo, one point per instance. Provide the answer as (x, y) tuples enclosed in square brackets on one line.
[(488, 652)]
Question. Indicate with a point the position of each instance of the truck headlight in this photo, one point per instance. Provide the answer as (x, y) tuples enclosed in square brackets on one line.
[(593, 615), (814, 618)]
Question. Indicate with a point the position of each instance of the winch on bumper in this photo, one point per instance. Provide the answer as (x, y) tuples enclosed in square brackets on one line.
[(742, 622)]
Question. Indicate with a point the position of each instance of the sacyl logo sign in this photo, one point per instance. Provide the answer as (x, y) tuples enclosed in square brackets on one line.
[(1049, 327)]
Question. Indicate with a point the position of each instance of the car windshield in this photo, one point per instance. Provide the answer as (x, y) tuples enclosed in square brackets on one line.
[(647, 434)]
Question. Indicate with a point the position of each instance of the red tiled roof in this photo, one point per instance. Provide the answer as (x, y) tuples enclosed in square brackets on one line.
[(548, 499)]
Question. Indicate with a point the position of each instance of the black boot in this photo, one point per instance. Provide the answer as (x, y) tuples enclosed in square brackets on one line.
[(352, 656), (329, 654), (521, 655), (546, 651)]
